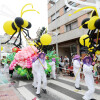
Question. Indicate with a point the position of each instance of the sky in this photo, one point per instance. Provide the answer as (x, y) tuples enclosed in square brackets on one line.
[(10, 9)]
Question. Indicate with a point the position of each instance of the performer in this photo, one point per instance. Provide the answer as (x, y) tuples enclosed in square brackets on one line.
[(76, 70), (34, 71), (53, 75), (41, 76), (89, 80)]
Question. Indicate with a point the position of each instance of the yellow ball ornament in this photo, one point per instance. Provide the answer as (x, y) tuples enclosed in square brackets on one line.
[(81, 40), (97, 52), (1, 48), (91, 22), (8, 28), (45, 39)]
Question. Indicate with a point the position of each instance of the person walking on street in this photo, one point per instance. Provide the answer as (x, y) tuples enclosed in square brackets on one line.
[(76, 70), (53, 74), (41, 75), (34, 71), (89, 80)]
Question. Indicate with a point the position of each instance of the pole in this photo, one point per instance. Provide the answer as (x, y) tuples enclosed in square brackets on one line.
[(56, 32), (56, 36)]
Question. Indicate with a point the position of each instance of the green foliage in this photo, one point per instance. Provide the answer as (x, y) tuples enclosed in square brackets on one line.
[(50, 55)]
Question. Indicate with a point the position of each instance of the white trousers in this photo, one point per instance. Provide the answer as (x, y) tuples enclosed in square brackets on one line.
[(41, 77), (91, 89), (53, 74), (34, 79), (77, 80)]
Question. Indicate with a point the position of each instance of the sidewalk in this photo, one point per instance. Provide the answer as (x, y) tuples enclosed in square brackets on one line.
[(7, 90)]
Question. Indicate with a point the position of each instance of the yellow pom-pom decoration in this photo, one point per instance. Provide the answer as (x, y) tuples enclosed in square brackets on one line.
[(87, 43), (91, 49), (1, 48), (45, 39), (97, 52), (8, 28)]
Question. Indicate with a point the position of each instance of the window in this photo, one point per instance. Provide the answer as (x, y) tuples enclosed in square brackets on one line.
[(53, 17), (57, 14), (66, 9), (72, 4), (52, 5), (56, 31), (71, 26), (74, 25)]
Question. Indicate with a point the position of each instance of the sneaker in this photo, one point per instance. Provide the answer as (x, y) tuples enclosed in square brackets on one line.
[(38, 95), (44, 91), (34, 87), (78, 88)]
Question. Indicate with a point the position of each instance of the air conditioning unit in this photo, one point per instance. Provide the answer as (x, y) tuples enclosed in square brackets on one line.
[(52, 1)]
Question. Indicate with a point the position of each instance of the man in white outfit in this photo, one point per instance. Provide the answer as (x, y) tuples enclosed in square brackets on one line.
[(34, 71), (76, 70), (41, 65), (89, 80), (53, 74)]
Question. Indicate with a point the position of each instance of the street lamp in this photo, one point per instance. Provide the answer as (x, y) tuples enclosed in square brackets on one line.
[(54, 3)]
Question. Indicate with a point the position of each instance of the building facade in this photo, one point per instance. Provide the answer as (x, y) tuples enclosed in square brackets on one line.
[(66, 26), (7, 48)]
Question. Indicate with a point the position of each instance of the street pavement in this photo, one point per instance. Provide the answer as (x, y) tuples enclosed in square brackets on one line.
[(60, 89)]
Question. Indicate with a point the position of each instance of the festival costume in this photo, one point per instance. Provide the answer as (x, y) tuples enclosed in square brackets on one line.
[(76, 70), (41, 75), (89, 80), (53, 74), (34, 71)]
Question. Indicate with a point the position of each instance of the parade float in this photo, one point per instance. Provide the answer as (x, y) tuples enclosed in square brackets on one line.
[(20, 60)]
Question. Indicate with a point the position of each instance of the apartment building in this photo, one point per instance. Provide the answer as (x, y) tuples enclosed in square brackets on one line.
[(66, 26)]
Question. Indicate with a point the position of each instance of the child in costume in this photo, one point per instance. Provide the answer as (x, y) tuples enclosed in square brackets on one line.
[(53, 74), (41, 75), (89, 80), (76, 70), (34, 71)]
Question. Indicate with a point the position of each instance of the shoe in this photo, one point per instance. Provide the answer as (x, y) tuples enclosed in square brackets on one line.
[(78, 88), (92, 99), (38, 95), (34, 87), (44, 91)]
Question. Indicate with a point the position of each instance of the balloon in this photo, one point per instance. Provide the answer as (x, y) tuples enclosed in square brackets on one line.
[(91, 22), (83, 23), (45, 39), (18, 72), (25, 23), (1, 48), (8, 28), (86, 40), (15, 49), (97, 24), (19, 21), (97, 52), (22, 73), (19, 69)]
